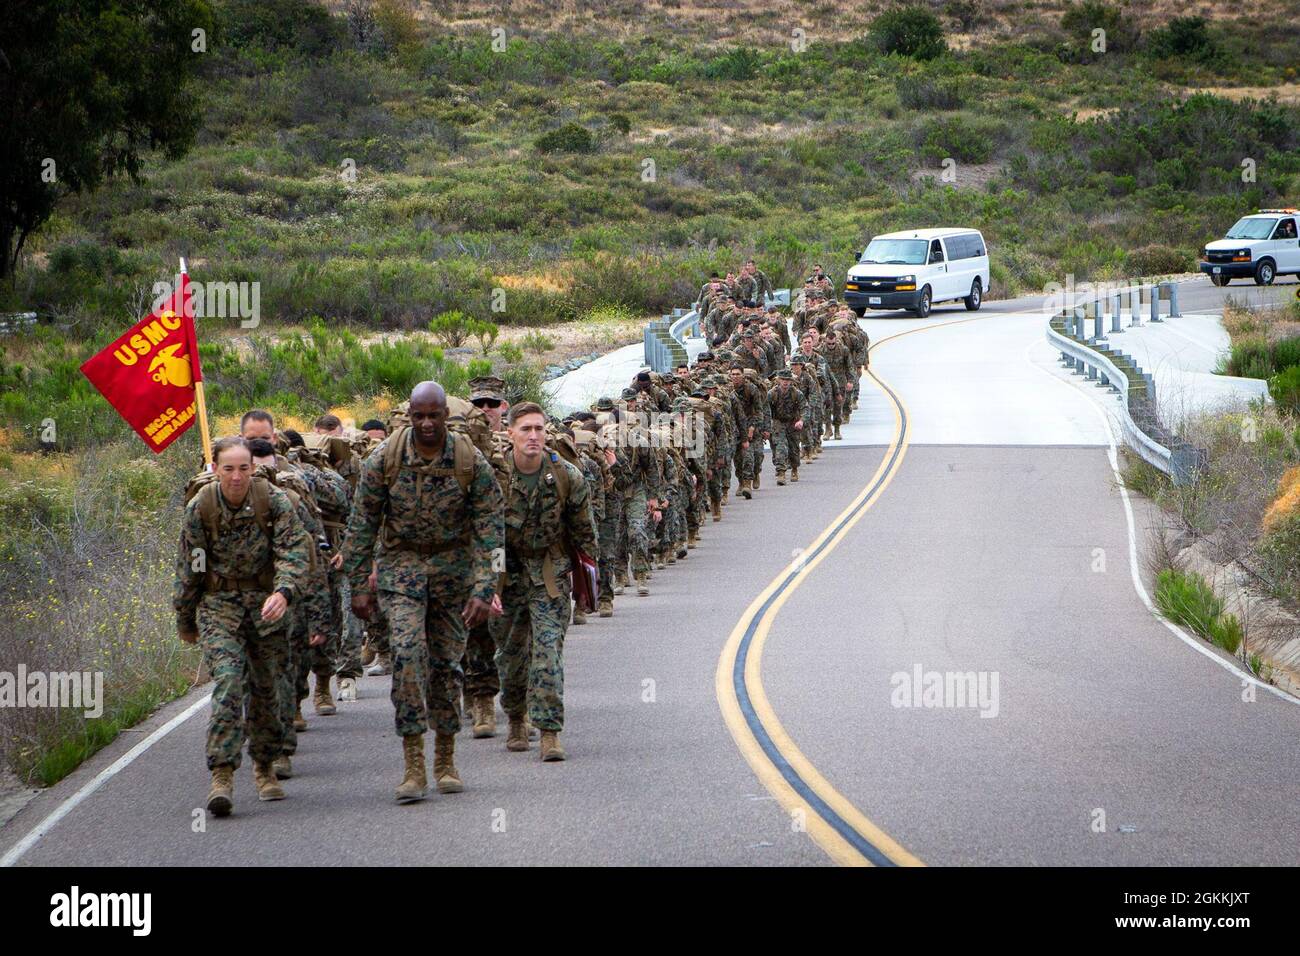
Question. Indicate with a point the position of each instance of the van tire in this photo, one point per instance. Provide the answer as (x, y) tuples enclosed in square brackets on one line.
[(975, 298), (923, 304), (1220, 280), (1265, 272), (860, 312)]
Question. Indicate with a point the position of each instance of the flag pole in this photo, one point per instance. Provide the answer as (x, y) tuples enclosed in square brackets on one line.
[(200, 401)]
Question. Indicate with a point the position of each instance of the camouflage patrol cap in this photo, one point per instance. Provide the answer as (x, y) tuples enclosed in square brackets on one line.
[(784, 373), (701, 392), (798, 358), (604, 404), (487, 386), (631, 393)]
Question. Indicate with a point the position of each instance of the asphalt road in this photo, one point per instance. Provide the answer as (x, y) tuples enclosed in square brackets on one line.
[(750, 711)]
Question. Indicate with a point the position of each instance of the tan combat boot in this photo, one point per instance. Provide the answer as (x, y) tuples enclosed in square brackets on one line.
[(579, 617), (642, 589), (517, 737), (485, 717), (299, 721), (367, 655), (282, 767), (268, 788), (551, 749), (837, 433), (755, 482), (692, 541), (620, 582), (382, 665), (221, 798), (745, 489), (672, 557), (414, 785), (794, 476), (726, 496), (717, 511), (606, 606), (444, 764), (323, 701), (780, 477)]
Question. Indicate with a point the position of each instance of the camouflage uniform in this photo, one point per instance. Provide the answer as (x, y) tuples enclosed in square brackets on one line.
[(638, 481), (788, 406), (434, 555), (530, 634), (246, 656)]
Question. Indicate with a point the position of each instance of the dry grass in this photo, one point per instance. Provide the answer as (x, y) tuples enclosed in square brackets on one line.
[(769, 22)]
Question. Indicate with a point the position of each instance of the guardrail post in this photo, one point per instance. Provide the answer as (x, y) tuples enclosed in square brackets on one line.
[(1155, 303), (1114, 311), (1169, 290), (1097, 313), (1137, 301)]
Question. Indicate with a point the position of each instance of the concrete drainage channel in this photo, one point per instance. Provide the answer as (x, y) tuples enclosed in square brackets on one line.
[(1095, 359)]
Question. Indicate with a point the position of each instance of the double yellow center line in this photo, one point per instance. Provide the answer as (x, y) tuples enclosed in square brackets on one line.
[(837, 826)]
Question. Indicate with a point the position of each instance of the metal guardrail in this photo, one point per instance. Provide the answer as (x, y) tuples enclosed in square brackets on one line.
[(662, 354), (1096, 360)]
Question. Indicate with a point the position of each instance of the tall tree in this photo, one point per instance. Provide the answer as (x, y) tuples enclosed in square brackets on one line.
[(87, 87)]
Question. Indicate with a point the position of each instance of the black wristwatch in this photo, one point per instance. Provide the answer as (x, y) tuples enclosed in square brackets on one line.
[(288, 595)]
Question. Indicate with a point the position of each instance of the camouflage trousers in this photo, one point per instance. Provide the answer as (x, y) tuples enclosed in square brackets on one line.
[(480, 664), (347, 661), (428, 640), (530, 652), (377, 629), (287, 685), (247, 663), (812, 428), (757, 448), (634, 536), (611, 529), (786, 442), (743, 459)]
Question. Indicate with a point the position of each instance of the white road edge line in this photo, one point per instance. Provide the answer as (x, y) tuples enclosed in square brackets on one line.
[(1113, 455), (29, 840)]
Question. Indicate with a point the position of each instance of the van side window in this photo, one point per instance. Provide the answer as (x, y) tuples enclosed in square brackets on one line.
[(1285, 229), (936, 251)]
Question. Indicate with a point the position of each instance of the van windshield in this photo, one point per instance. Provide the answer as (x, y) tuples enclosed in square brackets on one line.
[(1251, 228), (902, 252)]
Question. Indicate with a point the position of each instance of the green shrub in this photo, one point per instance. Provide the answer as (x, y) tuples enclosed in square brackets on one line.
[(1081, 19), (298, 26), (930, 93), (967, 13), (1285, 388), (740, 63), (451, 328), (537, 342), (486, 333), (955, 138), (1188, 599), (620, 122), (510, 353), (908, 31), (1184, 37), (569, 138), (1226, 633), (1158, 260)]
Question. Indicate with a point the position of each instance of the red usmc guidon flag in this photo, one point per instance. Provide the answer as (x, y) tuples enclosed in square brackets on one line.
[(148, 374)]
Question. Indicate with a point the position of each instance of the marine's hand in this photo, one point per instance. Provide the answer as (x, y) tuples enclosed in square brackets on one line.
[(476, 612), (361, 604), (274, 607)]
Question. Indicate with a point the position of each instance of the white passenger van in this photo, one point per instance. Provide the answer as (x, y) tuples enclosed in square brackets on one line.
[(915, 269), (1260, 247)]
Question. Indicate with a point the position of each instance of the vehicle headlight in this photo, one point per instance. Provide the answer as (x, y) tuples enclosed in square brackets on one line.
[(905, 279), (1241, 255), (1205, 253)]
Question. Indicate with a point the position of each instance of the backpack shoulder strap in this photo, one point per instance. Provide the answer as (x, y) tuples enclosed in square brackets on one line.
[(556, 464), (463, 452), (393, 454), (209, 511), (261, 492)]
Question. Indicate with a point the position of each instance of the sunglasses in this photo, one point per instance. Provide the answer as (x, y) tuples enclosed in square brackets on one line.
[(486, 403)]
